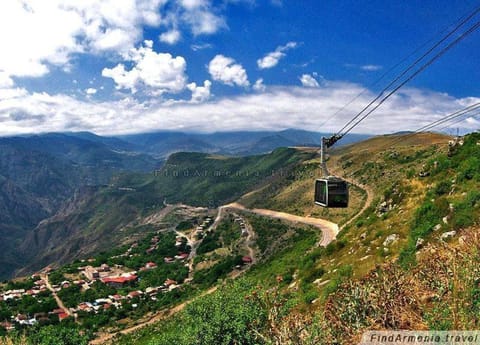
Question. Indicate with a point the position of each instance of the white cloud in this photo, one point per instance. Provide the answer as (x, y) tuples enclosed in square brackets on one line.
[(225, 70), (161, 72), (91, 91), (45, 33), (309, 81), (259, 85), (197, 47), (271, 59), (170, 37), (371, 68), (277, 108), (5, 81), (200, 16), (200, 93), (37, 35)]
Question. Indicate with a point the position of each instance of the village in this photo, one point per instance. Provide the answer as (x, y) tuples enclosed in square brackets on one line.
[(156, 266)]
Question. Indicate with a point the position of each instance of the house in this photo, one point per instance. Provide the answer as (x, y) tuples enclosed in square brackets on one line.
[(105, 268), (181, 256), (21, 317), (247, 260), (118, 282), (150, 265), (134, 294), (116, 297), (57, 311), (38, 316), (63, 316), (7, 325), (170, 282), (85, 306), (91, 273)]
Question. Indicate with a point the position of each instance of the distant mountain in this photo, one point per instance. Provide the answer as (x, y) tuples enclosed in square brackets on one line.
[(38, 174), (162, 144), (96, 218)]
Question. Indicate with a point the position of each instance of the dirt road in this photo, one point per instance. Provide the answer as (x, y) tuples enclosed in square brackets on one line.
[(54, 294), (329, 229)]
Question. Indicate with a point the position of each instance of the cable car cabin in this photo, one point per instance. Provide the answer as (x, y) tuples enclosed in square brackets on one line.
[(331, 192)]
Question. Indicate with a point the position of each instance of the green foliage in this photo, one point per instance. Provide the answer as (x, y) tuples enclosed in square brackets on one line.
[(443, 187), (268, 230), (229, 231), (343, 274), (56, 277), (184, 225), (209, 243), (210, 275), (58, 335), (335, 246)]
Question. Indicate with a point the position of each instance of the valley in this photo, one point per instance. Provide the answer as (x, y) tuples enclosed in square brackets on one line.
[(178, 257)]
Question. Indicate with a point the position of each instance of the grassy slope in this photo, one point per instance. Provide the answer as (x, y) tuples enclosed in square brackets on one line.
[(392, 173)]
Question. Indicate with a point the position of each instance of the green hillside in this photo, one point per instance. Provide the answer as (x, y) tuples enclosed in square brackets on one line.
[(377, 275), (409, 261), (96, 218)]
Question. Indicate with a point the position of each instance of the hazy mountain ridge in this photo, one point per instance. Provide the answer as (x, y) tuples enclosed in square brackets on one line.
[(97, 218)]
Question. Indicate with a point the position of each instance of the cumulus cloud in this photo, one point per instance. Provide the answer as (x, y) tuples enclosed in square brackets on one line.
[(5, 81), (91, 91), (271, 59), (45, 33), (277, 108), (200, 93), (259, 85), (161, 72), (225, 70), (308, 81), (40, 34), (200, 17), (170, 37)]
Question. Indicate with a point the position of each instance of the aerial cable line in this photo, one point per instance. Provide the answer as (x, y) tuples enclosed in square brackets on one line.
[(421, 69), (458, 121), (452, 116), (417, 61), (460, 22)]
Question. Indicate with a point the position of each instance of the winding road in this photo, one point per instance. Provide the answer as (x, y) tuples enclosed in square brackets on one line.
[(329, 229)]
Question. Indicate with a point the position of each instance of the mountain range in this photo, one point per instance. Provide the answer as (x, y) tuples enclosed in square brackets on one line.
[(42, 176)]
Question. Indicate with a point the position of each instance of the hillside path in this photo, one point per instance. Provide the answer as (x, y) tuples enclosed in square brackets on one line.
[(329, 229), (336, 171)]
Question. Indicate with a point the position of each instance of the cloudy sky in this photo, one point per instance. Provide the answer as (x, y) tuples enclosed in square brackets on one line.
[(128, 66)]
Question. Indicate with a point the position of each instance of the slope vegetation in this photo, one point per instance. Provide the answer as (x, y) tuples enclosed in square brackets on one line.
[(97, 218)]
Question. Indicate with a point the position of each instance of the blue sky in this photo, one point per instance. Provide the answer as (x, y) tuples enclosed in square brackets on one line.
[(126, 66)]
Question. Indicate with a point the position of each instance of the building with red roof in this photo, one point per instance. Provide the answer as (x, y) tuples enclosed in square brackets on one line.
[(117, 282)]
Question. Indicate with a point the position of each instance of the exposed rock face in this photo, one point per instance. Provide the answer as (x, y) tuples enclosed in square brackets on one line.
[(390, 239)]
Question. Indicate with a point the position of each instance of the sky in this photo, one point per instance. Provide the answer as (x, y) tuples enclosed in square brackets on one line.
[(129, 66)]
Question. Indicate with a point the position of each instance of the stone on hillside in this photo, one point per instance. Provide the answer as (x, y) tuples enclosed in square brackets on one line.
[(445, 219), (363, 236), (437, 227), (447, 235), (420, 242), (390, 239)]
